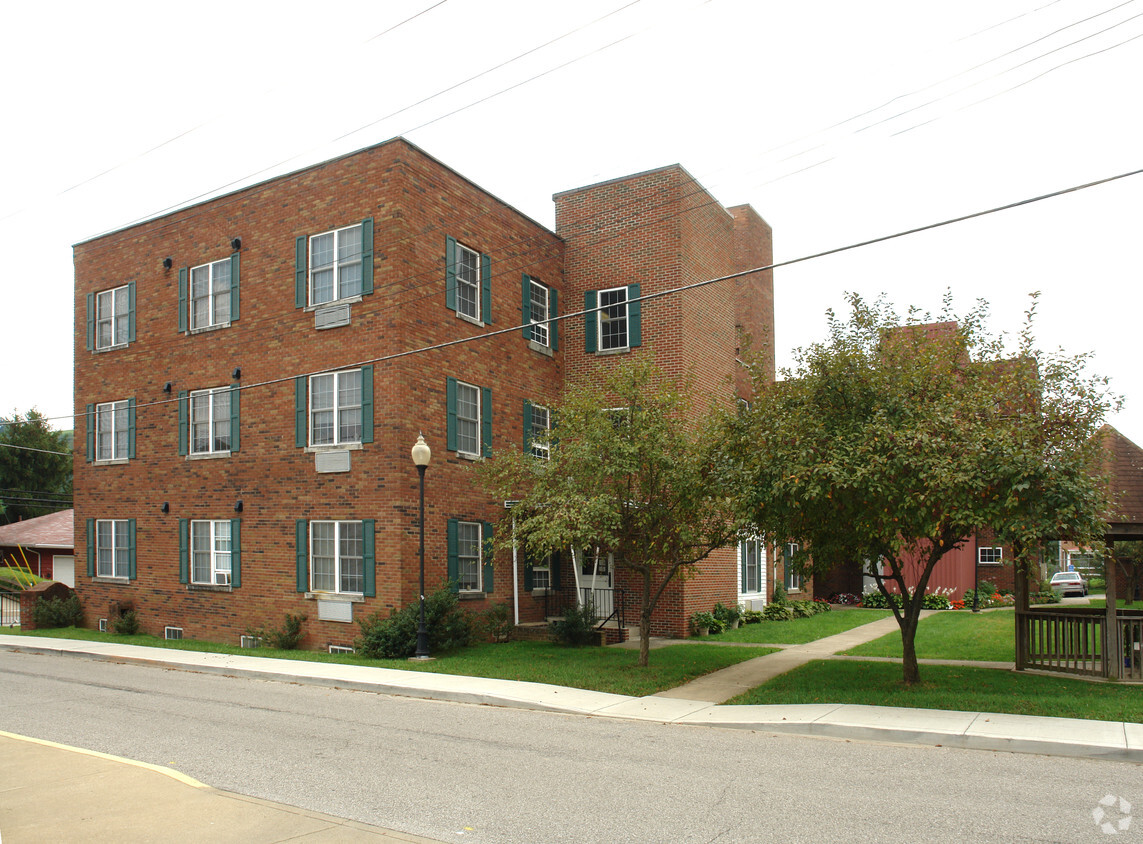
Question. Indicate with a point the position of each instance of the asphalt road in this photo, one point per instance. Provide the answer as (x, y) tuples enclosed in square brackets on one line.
[(458, 772)]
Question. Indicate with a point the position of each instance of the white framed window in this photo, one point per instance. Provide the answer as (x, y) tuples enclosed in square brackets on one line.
[(337, 557), (752, 566), (539, 295), (112, 537), (542, 573), (210, 421), (210, 295), (541, 426), (613, 319), (112, 436), (335, 265), (113, 317), (211, 548), (336, 408), (467, 282), (467, 419), (468, 543), (990, 556), (793, 577)]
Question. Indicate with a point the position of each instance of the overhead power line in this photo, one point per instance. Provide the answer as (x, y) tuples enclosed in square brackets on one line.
[(29, 448)]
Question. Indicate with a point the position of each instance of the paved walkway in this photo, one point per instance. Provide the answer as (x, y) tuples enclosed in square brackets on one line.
[(85, 789)]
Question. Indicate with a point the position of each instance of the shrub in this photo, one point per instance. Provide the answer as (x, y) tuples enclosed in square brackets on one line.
[(936, 602), (497, 622), (576, 628), (395, 636), (727, 615), (876, 601), (778, 612), (802, 609), (705, 619), (57, 612), (845, 599), (779, 596), (288, 636), (987, 589), (127, 624), (752, 616)]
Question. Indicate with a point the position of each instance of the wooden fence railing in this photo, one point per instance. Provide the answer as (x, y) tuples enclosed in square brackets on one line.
[(1074, 640)]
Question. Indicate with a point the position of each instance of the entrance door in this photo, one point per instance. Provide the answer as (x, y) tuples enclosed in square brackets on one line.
[(595, 579)]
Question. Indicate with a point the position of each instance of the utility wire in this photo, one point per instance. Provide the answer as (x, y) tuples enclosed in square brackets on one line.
[(28, 448), (675, 290)]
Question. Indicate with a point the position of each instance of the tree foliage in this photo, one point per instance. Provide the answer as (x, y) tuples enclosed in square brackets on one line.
[(894, 441), (31, 476), (629, 475)]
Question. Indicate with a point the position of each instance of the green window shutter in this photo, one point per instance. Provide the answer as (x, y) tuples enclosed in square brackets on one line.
[(90, 321), (527, 426), (453, 557), (300, 428), (301, 272), (183, 296), (450, 426), (130, 312), (184, 421), (590, 321), (184, 551), (132, 571), (235, 417), (486, 556), (526, 305), (553, 326), (130, 429), (91, 547), (301, 551), (486, 421), (89, 416), (370, 558), (634, 317), (234, 270), (235, 553), (367, 404), (486, 288), (450, 273), (529, 583), (367, 256), (554, 577)]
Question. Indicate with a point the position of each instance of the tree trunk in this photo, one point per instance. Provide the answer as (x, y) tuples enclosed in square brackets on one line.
[(911, 672), (645, 621)]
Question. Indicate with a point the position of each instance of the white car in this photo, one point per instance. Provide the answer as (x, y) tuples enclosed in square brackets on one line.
[(1068, 582)]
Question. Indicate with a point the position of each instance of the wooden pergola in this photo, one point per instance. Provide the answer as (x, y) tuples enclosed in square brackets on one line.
[(1090, 641)]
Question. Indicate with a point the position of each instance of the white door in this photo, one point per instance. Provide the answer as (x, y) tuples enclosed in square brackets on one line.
[(63, 570), (594, 579)]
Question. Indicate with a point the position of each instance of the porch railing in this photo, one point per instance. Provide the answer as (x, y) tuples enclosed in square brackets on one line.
[(9, 608), (608, 604), (1074, 640)]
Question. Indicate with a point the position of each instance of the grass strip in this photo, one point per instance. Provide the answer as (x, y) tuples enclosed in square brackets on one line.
[(954, 634), (966, 689), (798, 631), (614, 670)]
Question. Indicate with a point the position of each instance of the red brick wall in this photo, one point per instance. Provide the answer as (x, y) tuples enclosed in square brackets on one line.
[(415, 202)]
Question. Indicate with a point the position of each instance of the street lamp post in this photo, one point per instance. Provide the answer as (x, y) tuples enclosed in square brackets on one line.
[(421, 456)]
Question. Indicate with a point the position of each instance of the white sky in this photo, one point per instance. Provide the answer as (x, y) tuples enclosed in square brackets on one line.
[(117, 111)]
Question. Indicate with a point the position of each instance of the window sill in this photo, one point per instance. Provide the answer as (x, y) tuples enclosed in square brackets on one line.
[(541, 348), (208, 455), (467, 318), (203, 329), (208, 587), (121, 581), (464, 455), (343, 597), (540, 593), (624, 350), (110, 348), (470, 596), (314, 449), (991, 565), (349, 300), (118, 461)]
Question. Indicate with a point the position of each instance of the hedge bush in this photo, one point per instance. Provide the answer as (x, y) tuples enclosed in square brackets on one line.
[(395, 636), (57, 612)]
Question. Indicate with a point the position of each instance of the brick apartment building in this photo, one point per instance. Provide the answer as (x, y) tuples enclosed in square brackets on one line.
[(247, 402)]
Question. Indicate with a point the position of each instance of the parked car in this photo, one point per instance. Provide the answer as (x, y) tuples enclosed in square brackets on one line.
[(1069, 582)]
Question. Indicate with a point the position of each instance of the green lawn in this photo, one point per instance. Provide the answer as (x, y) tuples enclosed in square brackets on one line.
[(954, 634), (1130, 605), (613, 670), (966, 689), (800, 630)]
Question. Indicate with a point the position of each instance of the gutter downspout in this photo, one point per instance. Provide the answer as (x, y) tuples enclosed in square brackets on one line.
[(515, 578)]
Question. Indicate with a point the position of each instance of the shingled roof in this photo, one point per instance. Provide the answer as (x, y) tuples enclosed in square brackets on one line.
[(56, 530)]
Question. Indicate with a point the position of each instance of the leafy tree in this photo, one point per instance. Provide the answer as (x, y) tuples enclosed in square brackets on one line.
[(33, 474), (895, 442), (629, 475)]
